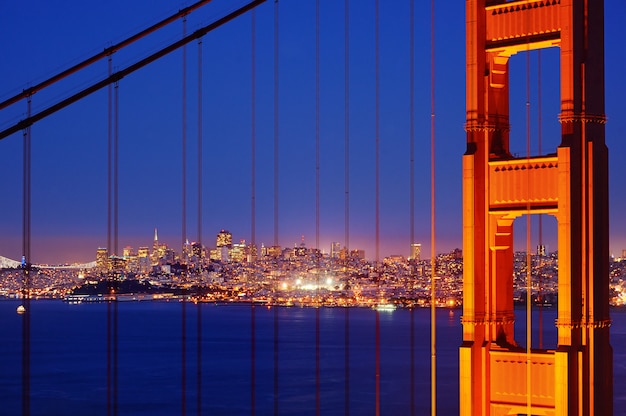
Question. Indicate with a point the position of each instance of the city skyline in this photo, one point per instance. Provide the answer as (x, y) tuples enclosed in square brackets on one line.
[(69, 148)]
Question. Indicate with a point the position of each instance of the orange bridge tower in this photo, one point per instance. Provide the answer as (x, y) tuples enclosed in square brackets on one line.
[(497, 377)]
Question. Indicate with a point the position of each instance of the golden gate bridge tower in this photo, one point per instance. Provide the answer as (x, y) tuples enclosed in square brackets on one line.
[(497, 377)]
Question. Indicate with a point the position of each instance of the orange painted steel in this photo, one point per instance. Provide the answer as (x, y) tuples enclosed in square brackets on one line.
[(575, 378)]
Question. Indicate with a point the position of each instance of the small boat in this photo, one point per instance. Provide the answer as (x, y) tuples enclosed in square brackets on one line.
[(387, 307), (21, 309)]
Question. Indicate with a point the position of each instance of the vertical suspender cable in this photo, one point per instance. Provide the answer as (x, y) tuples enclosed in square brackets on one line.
[(200, 260), (541, 247), (183, 366), (116, 148), (528, 246), (317, 204), (26, 267), (412, 183), (252, 200), (347, 201), (115, 235), (109, 242), (377, 133), (276, 26), (433, 259), (377, 174)]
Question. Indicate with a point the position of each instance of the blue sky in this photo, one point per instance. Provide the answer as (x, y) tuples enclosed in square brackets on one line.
[(70, 147)]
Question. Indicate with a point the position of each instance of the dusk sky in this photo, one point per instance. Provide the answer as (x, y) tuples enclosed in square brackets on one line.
[(69, 148)]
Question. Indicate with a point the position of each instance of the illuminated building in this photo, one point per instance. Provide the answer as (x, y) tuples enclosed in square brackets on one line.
[(142, 252), (274, 251), (143, 259), (237, 252), (197, 250), (416, 251), (102, 259), (541, 250), (357, 254), (127, 252), (251, 251), (224, 239), (335, 249)]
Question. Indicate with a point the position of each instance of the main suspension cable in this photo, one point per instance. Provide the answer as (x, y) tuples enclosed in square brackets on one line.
[(106, 53)]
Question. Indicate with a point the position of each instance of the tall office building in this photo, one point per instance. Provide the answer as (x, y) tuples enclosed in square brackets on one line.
[(224, 239), (416, 250), (142, 252), (102, 259), (335, 249), (128, 251)]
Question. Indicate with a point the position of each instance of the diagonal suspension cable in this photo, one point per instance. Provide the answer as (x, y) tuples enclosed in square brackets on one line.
[(28, 121), (106, 53)]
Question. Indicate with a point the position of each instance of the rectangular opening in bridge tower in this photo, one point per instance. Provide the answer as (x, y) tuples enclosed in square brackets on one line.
[(568, 182)]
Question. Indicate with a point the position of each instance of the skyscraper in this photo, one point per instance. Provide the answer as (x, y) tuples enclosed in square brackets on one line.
[(416, 249), (224, 239)]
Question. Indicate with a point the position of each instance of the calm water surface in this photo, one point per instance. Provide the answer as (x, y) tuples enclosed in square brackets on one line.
[(69, 359)]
